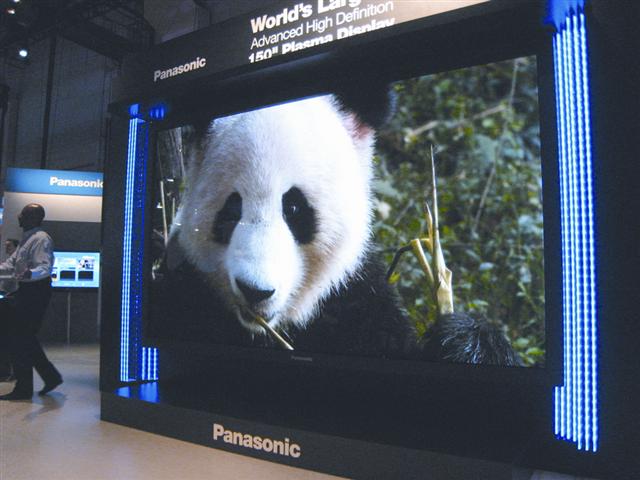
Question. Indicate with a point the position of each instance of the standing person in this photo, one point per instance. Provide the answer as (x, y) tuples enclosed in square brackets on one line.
[(31, 264), (10, 246), (7, 286)]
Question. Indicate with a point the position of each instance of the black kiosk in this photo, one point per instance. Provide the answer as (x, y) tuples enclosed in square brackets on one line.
[(519, 99)]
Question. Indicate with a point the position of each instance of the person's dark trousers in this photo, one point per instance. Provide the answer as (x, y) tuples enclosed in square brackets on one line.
[(29, 306), (5, 314)]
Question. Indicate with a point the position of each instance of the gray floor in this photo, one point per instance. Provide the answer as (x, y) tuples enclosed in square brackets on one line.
[(60, 436)]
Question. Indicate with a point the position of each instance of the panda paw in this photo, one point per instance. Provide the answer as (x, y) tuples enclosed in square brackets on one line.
[(460, 338)]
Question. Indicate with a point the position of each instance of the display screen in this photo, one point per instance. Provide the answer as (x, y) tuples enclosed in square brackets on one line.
[(410, 228), (76, 270)]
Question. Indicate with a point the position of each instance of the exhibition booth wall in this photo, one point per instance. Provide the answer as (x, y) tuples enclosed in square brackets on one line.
[(73, 204), (370, 238)]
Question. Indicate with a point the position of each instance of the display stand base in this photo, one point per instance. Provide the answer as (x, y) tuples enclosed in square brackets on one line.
[(142, 407)]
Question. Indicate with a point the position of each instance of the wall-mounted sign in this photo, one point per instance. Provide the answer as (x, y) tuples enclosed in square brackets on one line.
[(54, 182), (68, 197)]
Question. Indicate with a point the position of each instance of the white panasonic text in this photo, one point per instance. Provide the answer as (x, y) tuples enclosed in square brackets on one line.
[(180, 69), (68, 182), (282, 447)]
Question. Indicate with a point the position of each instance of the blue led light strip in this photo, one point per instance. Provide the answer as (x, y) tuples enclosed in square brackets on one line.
[(149, 363), (136, 362), (576, 401), (144, 363), (132, 355), (125, 319)]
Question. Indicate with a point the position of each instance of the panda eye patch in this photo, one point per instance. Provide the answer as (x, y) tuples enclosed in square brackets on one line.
[(299, 215), (227, 218)]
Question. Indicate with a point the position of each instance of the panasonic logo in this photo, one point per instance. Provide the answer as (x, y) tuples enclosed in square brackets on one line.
[(179, 70), (66, 182), (282, 447)]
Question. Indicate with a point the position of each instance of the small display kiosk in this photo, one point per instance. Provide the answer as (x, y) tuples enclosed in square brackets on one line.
[(76, 270), (532, 208)]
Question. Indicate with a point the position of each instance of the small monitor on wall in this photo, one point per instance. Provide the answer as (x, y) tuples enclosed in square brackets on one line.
[(76, 270)]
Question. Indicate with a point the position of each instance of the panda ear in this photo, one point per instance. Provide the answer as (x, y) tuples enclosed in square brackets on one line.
[(367, 105)]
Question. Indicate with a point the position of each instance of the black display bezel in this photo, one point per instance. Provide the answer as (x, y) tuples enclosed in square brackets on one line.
[(325, 72), (517, 402)]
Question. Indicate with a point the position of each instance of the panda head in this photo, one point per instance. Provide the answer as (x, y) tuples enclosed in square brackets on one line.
[(276, 210)]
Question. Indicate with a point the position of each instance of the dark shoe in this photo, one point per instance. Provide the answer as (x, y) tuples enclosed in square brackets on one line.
[(17, 395), (50, 385)]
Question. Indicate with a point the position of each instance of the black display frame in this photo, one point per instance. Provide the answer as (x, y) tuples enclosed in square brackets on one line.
[(538, 45), (507, 31), (553, 365)]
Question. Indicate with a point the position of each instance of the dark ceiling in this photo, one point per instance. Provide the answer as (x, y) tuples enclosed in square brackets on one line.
[(112, 28)]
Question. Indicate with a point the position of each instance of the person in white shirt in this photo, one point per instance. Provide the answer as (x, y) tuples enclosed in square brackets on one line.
[(31, 265)]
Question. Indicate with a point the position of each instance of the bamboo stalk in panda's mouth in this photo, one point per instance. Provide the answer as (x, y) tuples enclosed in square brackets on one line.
[(263, 323)]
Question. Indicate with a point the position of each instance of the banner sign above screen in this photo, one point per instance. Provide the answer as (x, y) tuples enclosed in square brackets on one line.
[(281, 29), (54, 182), (308, 24)]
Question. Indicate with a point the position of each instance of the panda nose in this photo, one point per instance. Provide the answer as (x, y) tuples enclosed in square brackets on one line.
[(253, 295)]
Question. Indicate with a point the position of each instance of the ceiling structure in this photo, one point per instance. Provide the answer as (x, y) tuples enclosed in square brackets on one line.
[(112, 28)]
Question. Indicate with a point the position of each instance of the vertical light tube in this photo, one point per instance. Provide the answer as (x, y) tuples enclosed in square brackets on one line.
[(136, 361), (564, 224), (576, 401), (149, 369), (145, 360), (575, 246), (591, 234), (155, 364), (559, 81), (584, 383), (582, 217), (571, 378), (125, 318)]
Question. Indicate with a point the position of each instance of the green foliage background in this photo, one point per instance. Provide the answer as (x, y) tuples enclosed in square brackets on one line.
[(484, 126)]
